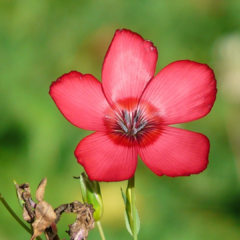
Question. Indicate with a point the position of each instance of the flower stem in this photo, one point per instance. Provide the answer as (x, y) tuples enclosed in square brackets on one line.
[(14, 215), (131, 185), (100, 230)]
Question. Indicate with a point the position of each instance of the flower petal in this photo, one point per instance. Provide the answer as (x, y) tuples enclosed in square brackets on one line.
[(128, 66), (104, 160), (176, 152), (81, 100), (182, 91)]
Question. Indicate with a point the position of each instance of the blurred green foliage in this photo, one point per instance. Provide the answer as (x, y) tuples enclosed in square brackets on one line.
[(41, 40)]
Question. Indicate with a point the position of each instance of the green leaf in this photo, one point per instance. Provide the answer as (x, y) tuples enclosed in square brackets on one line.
[(131, 215), (137, 221), (83, 188), (127, 223), (124, 197)]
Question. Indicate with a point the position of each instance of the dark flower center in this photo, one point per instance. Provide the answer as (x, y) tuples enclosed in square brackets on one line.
[(133, 123)]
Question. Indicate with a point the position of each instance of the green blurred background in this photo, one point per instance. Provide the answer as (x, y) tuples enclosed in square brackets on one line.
[(41, 40)]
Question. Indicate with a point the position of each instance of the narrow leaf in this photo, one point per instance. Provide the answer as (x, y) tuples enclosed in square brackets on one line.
[(127, 223), (124, 197), (82, 182), (137, 221)]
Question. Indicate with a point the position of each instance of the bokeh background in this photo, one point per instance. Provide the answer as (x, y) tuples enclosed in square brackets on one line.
[(41, 40)]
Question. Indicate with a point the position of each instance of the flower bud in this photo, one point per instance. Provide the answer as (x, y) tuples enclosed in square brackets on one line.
[(91, 194)]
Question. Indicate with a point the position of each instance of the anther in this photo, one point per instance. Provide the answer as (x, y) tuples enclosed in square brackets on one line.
[(127, 118), (142, 126), (137, 117), (124, 128)]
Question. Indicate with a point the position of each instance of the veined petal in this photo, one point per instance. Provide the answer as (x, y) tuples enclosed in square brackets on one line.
[(104, 160), (182, 91), (128, 66), (81, 100), (176, 152)]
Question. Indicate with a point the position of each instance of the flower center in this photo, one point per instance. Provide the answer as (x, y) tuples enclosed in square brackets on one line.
[(131, 123)]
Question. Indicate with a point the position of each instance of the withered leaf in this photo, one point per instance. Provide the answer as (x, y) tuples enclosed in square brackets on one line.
[(83, 224), (73, 207), (44, 217), (19, 193), (41, 189), (20, 189), (25, 187), (27, 206), (84, 221), (26, 216), (51, 232)]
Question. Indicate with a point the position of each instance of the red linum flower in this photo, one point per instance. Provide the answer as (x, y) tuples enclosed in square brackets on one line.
[(131, 110)]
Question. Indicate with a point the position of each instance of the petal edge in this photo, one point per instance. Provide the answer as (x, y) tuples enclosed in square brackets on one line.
[(105, 160), (81, 100), (177, 152), (183, 91), (128, 66)]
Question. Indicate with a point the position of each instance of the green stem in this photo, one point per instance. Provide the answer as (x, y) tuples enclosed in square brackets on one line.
[(131, 186), (100, 230), (14, 215)]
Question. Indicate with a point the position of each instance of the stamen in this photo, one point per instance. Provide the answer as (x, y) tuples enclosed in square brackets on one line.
[(124, 128), (127, 118), (136, 117), (143, 124), (134, 132), (132, 122)]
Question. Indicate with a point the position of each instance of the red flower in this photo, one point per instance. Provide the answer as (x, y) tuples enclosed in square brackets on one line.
[(130, 111)]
